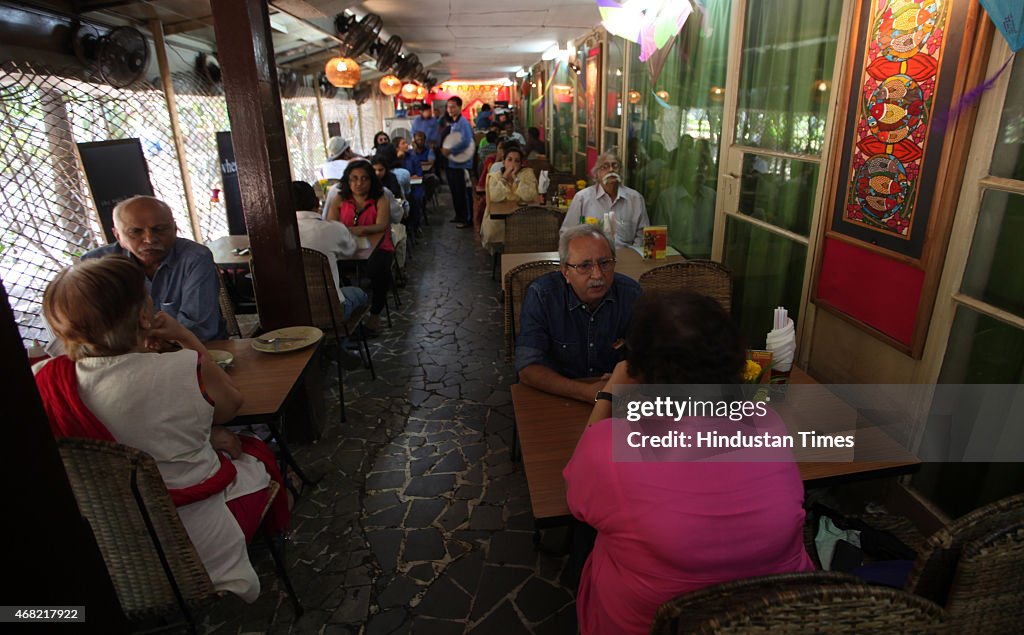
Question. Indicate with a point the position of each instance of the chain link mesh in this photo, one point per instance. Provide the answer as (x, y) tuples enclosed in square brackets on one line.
[(49, 217)]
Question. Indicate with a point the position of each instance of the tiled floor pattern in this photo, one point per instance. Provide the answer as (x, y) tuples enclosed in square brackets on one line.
[(421, 522)]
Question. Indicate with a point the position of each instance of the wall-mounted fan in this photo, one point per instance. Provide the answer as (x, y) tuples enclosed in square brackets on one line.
[(389, 53), (362, 92), (287, 82), (357, 36), (120, 57), (327, 89), (406, 66), (207, 69)]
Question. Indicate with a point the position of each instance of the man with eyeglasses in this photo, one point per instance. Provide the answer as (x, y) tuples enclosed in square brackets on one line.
[(608, 194), (573, 321), (181, 275)]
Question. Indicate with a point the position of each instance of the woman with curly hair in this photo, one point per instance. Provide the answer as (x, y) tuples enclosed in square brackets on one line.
[(665, 528), (362, 206)]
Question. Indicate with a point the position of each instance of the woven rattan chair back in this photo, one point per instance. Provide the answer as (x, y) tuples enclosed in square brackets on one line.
[(936, 564), (987, 595), (152, 562), (798, 603), (227, 308), (517, 281), (532, 228), (702, 276), (324, 305)]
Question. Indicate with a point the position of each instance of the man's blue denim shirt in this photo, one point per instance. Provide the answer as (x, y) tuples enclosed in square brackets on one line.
[(557, 329)]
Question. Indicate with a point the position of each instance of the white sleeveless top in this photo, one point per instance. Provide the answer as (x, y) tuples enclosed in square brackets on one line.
[(152, 402)]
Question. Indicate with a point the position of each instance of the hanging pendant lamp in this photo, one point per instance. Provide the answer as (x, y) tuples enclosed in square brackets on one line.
[(343, 72)]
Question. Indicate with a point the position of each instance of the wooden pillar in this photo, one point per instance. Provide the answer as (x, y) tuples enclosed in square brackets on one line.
[(51, 555), (246, 54)]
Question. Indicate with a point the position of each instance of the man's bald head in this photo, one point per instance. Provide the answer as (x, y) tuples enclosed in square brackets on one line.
[(144, 226)]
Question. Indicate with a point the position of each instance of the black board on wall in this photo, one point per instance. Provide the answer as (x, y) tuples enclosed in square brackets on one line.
[(333, 129), (116, 170), (229, 180)]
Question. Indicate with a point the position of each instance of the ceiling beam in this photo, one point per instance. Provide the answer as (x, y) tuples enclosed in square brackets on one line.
[(188, 25)]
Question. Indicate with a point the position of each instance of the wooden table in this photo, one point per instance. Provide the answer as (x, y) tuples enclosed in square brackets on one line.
[(549, 427), (504, 209), (363, 253), (627, 261), (267, 381), (264, 379), (224, 251)]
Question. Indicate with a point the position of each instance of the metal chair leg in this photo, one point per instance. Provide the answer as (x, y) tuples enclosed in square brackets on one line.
[(369, 359), (277, 552)]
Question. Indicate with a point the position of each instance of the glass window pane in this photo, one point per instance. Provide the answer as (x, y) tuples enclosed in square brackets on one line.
[(611, 141), (767, 272), (561, 98), (580, 80), (779, 191), (982, 350), (1008, 160), (581, 167), (995, 271), (789, 48), (613, 81)]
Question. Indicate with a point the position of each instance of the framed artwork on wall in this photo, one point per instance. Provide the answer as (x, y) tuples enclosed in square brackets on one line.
[(906, 65)]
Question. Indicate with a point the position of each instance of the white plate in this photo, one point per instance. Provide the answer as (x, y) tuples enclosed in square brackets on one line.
[(288, 339), (222, 358)]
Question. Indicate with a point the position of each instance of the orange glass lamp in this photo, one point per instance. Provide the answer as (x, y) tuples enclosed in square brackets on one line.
[(390, 85), (421, 93), (634, 97), (343, 72), (409, 91)]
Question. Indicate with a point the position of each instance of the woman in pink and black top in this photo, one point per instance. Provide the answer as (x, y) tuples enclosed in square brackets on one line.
[(363, 207)]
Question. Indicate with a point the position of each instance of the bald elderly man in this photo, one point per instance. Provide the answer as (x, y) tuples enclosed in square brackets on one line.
[(181, 275)]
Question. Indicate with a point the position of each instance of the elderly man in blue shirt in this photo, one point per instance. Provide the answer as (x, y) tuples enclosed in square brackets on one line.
[(573, 321), (181, 275)]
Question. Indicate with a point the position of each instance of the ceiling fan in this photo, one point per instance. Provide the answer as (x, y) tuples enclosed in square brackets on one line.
[(389, 53), (357, 35)]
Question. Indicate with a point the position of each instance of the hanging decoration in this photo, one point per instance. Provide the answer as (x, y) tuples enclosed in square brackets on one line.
[(409, 91), (421, 93), (652, 23), (343, 72), (634, 97), (390, 85)]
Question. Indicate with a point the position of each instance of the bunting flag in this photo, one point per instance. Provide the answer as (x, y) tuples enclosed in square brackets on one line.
[(651, 23), (1008, 16)]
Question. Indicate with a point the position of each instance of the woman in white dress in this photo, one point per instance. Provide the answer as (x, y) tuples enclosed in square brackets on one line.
[(113, 385)]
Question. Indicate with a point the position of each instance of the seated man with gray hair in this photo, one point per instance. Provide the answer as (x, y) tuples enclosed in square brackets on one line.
[(573, 321), (181, 276), (608, 194)]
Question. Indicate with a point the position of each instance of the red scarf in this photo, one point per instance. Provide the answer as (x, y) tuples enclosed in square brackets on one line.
[(70, 417)]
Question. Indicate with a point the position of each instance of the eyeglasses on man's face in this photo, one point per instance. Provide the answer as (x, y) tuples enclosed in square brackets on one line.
[(611, 165), (587, 266)]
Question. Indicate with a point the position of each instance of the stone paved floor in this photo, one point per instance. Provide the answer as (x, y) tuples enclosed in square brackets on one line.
[(421, 523)]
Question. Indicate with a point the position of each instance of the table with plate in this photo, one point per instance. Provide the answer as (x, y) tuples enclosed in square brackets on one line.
[(266, 370)]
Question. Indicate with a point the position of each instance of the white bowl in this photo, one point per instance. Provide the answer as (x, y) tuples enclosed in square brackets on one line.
[(222, 358)]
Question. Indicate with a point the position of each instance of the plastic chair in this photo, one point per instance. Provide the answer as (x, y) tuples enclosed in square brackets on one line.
[(702, 276), (798, 603), (328, 314)]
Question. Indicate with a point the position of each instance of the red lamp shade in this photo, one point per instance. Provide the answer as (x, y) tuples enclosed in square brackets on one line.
[(390, 85), (343, 72)]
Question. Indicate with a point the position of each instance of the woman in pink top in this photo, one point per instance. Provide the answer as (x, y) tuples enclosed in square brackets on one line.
[(665, 528), (363, 208)]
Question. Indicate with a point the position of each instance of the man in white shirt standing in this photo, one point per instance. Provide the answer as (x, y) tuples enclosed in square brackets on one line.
[(608, 194), (333, 240)]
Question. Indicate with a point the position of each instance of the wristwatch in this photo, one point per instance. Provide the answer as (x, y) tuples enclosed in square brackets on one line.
[(607, 396)]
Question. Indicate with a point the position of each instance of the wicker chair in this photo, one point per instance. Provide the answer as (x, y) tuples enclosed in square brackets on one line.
[(987, 595), (703, 276), (798, 603), (155, 568), (936, 565), (517, 281), (532, 228), (327, 313)]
